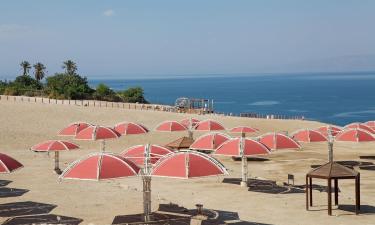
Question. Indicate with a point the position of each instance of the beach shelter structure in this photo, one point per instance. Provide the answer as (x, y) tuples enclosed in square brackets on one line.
[(139, 153), (359, 126), (189, 122), (275, 141), (170, 126), (73, 129), (243, 130), (127, 128), (8, 164), (55, 146), (370, 124), (332, 171), (324, 130), (100, 166), (306, 135), (355, 135), (209, 142), (209, 125), (180, 143), (93, 133), (242, 147)]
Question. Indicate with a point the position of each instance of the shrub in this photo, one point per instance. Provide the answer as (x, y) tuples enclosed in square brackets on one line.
[(133, 95), (68, 86)]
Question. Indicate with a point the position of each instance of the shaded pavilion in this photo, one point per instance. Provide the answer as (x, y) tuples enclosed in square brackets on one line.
[(181, 143), (332, 171)]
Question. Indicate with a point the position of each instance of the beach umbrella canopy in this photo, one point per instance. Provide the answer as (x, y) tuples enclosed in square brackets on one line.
[(170, 126), (243, 130), (8, 164), (209, 142), (93, 133), (324, 130), (208, 125), (277, 141), (189, 121), (73, 129), (354, 135), (359, 126), (370, 124), (54, 145), (126, 128), (249, 147), (100, 166), (307, 135), (188, 164), (138, 153)]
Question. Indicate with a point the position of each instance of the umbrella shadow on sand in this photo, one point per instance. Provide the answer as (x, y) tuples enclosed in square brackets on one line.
[(365, 209), (174, 214), (6, 192), (43, 219), (4, 183), (24, 208)]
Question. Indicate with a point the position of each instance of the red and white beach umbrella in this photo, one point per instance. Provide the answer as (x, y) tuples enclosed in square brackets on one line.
[(243, 130), (8, 164), (209, 142), (93, 133), (209, 125), (242, 147), (170, 126), (275, 141), (126, 128), (370, 124), (100, 166), (55, 146), (139, 153), (189, 122), (73, 129), (324, 130), (306, 135), (359, 126), (355, 135), (188, 164)]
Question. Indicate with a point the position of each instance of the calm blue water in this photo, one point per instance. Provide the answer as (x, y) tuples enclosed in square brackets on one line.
[(333, 98)]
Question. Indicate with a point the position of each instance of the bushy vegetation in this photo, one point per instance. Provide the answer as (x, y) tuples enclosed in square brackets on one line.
[(68, 85)]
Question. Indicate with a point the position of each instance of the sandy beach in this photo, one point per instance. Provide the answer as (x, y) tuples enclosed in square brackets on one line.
[(24, 124)]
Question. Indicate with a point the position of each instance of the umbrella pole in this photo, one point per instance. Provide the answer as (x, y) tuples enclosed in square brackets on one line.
[(147, 197), (330, 145), (244, 171), (57, 168), (102, 145)]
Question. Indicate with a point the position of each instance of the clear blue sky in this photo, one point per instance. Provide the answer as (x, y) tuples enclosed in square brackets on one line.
[(124, 38)]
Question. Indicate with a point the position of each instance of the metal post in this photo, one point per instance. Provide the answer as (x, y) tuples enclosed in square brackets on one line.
[(329, 197), (357, 194), (336, 185), (57, 168), (310, 191), (146, 178), (307, 193)]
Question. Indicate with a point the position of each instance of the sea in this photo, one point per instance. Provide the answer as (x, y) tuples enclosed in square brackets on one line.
[(336, 98)]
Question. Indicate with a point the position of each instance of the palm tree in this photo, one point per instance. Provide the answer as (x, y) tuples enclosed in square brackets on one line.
[(70, 67), (26, 67), (39, 71)]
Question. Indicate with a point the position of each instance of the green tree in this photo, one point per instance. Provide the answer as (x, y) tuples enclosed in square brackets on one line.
[(39, 71), (133, 95), (103, 92), (66, 86), (24, 85), (70, 67), (26, 66)]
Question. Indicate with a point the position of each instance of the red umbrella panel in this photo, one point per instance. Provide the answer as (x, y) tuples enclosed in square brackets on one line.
[(242, 147), (100, 166), (370, 124), (209, 142), (324, 130), (190, 122), (93, 133), (243, 129), (306, 135), (126, 128), (275, 141), (355, 135), (359, 126), (138, 154), (209, 125), (8, 164), (188, 164), (73, 129), (55, 146), (170, 126)]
